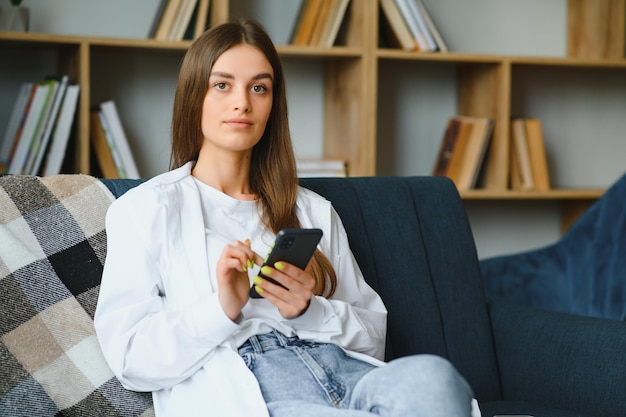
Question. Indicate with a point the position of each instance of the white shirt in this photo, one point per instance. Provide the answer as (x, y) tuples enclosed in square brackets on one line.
[(158, 320)]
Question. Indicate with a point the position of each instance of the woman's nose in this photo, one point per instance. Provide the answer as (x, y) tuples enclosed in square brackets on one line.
[(242, 101)]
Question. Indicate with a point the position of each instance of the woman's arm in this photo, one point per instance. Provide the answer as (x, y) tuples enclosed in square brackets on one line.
[(149, 343)]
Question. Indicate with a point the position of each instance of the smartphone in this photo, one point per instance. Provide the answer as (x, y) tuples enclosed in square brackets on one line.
[(295, 246)]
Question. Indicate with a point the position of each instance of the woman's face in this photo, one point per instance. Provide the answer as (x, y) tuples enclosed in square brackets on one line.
[(238, 101)]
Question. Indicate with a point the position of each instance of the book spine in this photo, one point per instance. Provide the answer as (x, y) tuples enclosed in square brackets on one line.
[(62, 127), (115, 153), (119, 136), (34, 114), (17, 117), (50, 120), (411, 21), (416, 11), (441, 45)]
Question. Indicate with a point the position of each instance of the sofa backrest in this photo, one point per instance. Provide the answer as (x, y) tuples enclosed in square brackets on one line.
[(413, 242)]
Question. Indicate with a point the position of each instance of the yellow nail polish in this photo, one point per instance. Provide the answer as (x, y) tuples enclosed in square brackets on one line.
[(250, 263), (259, 289), (279, 265), (245, 269), (257, 280), (266, 270)]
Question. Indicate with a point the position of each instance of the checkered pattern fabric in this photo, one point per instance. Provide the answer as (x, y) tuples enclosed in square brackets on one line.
[(52, 248)]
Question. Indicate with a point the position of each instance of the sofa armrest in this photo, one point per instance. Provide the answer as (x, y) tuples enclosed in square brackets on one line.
[(561, 360)]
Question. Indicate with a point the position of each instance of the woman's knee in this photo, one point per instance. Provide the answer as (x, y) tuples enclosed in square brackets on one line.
[(427, 373), (430, 367), (420, 382)]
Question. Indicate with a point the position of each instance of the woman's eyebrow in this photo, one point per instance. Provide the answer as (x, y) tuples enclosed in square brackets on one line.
[(260, 76)]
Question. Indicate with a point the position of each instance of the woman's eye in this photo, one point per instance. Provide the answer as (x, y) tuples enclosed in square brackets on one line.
[(259, 88), (221, 86)]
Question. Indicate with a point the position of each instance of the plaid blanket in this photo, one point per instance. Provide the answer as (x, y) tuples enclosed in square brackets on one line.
[(52, 248)]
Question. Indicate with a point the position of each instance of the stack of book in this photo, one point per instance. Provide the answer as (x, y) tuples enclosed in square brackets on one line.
[(110, 143), (408, 25), (176, 20), (319, 22), (529, 163), (39, 127), (462, 150), (315, 168)]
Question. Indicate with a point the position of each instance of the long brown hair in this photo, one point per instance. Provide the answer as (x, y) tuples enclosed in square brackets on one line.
[(273, 175)]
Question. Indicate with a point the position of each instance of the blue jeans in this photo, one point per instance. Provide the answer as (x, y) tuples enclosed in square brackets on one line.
[(304, 378)]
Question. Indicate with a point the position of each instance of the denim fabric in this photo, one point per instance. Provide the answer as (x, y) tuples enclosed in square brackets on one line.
[(304, 378)]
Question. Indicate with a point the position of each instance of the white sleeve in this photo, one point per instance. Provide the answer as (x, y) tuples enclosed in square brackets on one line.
[(147, 345), (355, 317)]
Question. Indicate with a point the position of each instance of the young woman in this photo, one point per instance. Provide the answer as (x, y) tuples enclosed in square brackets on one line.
[(174, 315)]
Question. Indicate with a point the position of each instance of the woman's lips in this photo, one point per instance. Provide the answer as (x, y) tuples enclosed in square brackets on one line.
[(239, 123)]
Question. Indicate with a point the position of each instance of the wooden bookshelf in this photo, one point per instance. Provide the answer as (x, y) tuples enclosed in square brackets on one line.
[(352, 111)]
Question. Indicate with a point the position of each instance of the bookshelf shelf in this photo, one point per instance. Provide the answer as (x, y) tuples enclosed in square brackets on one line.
[(555, 194), (358, 111)]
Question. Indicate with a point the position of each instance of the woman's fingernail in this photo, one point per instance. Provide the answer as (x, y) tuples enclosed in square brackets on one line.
[(279, 265), (258, 289), (257, 280), (247, 241), (266, 270), (245, 269), (250, 263)]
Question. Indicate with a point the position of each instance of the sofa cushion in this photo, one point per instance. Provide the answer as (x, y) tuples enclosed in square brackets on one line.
[(51, 256)]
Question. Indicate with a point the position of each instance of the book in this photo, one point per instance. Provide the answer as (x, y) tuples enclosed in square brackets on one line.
[(61, 132), (35, 142), (423, 27), (158, 15), (333, 23), (182, 20), (396, 27), (312, 168), (108, 135), (521, 153), (109, 111), (307, 18), (167, 19), (515, 173), (457, 158), (320, 22), (20, 109), (101, 148), (537, 152), (201, 18), (462, 150), (411, 21), (441, 44), (35, 112), (41, 144), (446, 148), (481, 130)]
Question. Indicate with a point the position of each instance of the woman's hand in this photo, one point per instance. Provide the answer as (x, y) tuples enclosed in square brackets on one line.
[(294, 300), (232, 276)]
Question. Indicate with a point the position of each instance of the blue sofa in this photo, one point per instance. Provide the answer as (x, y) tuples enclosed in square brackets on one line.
[(413, 242)]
